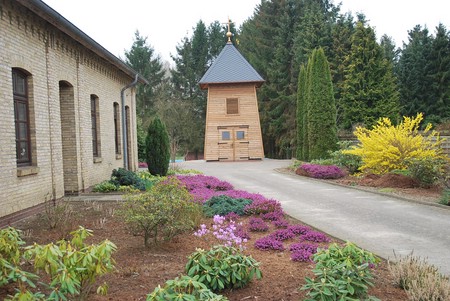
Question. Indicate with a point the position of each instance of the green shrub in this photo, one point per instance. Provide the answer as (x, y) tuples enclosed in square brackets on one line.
[(161, 213), (105, 186), (184, 288), (427, 170), (71, 266), (222, 267), (421, 280), (341, 273), (123, 177), (445, 197), (349, 161), (322, 161), (157, 148), (222, 205)]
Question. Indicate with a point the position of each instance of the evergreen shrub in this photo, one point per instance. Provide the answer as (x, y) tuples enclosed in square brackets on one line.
[(223, 205), (123, 177), (157, 147)]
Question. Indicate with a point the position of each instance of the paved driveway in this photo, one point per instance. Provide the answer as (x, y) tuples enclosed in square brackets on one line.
[(377, 223)]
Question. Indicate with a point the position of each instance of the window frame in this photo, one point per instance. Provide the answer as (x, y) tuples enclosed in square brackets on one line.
[(117, 136), (95, 126), (22, 98)]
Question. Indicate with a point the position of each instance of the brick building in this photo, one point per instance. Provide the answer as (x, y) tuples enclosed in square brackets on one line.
[(68, 114)]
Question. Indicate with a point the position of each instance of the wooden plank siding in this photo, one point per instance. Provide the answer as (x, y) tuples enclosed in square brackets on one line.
[(246, 120)]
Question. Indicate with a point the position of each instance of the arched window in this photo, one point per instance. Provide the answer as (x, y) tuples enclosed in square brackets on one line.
[(22, 117)]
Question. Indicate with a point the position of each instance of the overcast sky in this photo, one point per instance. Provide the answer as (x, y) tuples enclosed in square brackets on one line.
[(166, 22)]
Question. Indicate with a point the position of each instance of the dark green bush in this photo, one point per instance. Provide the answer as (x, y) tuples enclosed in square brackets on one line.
[(223, 204), (427, 170), (123, 177), (445, 197), (157, 147)]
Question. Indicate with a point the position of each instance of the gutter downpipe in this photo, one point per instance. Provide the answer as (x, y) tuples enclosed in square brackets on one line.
[(124, 124)]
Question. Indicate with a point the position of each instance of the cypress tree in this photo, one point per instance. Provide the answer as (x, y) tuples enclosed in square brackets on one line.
[(321, 107), (157, 148), (301, 114)]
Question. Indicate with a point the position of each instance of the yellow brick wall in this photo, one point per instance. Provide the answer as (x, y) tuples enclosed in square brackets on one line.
[(51, 57)]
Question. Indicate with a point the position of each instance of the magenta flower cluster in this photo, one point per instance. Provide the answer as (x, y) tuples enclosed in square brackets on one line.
[(257, 224), (281, 223), (302, 251), (298, 229), (273, 216), (263, 206), (282, 234), (322, 171), (267, 243), (225, 231), (315, 236), (201, 181)]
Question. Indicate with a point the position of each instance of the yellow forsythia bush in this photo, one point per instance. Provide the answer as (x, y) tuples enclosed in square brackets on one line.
[(387, 147)]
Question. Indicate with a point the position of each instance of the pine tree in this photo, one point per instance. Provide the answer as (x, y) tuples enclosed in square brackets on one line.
[(413, 74), (439, 73), (157, 148), (370, 90), (142, 58), (321, 116)]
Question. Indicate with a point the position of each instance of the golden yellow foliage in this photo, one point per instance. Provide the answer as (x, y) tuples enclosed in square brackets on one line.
[(387, 147)]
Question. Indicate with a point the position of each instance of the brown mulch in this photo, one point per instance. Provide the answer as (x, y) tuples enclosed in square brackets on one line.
[(139, 270)]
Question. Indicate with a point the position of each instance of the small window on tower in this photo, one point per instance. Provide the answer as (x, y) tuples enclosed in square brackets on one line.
[(232, 106)]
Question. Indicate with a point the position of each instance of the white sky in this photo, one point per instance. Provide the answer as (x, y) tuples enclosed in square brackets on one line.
[(112, 23)]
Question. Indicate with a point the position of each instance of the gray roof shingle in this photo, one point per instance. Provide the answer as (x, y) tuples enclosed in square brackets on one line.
[(230, 67)]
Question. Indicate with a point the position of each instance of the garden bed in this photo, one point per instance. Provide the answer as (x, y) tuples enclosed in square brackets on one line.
[(139, 270)]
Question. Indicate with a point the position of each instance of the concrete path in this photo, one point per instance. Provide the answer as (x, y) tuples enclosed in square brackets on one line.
[(375, 222)]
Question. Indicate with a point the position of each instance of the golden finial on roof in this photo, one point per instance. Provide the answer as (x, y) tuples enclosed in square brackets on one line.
[(229, 34)]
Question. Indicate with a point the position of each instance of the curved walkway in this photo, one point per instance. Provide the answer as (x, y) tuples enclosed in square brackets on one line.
[(378, 223)]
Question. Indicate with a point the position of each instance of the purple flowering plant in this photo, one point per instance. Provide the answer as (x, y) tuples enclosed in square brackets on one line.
[(315, 236), (225, 231), (280, 223), (267, 243), (282, 234), (322, 171), (263, 206), (257, 224), (302, 255), (298, 229)]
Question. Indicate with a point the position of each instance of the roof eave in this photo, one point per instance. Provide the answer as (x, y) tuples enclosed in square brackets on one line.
[(53, 17), (205, 86)]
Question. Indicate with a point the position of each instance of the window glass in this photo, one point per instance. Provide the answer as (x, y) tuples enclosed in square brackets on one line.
[(226, 135), (240, 135)]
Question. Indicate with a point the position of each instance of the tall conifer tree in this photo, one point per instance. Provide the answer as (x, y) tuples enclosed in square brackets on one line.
[(321, 108), (302, 141), (370, 90)]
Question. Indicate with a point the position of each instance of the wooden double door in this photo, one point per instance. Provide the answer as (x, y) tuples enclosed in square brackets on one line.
[(233, 143)]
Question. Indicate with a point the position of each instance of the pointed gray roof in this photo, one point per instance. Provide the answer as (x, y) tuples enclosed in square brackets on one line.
[(230, 67)]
